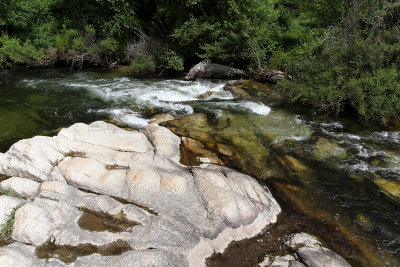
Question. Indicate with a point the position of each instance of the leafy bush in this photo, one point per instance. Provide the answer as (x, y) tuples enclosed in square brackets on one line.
[(174, 61), (13, 50), (356, 73), (232, 32), (143, 64), (67, 41)]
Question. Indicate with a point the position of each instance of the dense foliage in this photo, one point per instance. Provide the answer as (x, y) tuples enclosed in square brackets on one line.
[(341, 53)]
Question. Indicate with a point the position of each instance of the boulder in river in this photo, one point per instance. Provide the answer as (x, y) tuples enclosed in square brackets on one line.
[(218, 94), (271, 76), (206, 69), (313, 254), (236, 91), (111, 197)]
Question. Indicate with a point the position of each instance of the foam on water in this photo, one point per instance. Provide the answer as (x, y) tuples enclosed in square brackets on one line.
[(126, 116), (256, 108), (172, 96)]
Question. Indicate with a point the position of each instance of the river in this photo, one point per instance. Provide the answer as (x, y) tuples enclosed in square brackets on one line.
[(348, 182)]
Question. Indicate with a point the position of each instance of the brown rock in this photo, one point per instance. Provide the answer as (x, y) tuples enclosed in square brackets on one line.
[(236, 91), (160, 118), (194, 150), (270, 75), (205, 95)]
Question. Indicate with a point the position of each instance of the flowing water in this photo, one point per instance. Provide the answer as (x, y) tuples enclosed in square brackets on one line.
[(349, 176)]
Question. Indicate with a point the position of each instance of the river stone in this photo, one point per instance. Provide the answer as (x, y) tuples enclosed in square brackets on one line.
[(206, 69), (21, 186), (196, 151), (160, 118), (325, 149), (245, 138), (313, 254), (270, 75), (209, 95), (389, 188), (181, 214), (7, 205), (282, 261), (316, 257), (236, 91), (301, 240), (296, 264)]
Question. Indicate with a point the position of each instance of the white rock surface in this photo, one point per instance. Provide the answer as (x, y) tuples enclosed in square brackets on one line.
[(182, 214), (19, 255), (301, 240), (282, 261), (7, 205), (21, 186), (313, 254)]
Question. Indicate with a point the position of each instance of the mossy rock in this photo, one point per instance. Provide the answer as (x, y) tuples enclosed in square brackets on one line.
[(256, 91), (247, 139), (389, 188), (160, 118), (364, 222), (327, 150)]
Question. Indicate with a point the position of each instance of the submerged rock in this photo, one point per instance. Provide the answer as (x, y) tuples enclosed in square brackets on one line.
[(325, 149), (313, 254), (206, 69), (389, 188), (246, 139), (195, 153), (211, 95), (157, 212), (256, 91), (236, 91)]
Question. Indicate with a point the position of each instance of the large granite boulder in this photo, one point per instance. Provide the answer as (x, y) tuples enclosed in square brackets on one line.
[(103, 196), (206, 69)]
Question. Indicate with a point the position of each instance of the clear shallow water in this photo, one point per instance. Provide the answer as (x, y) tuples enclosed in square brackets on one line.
[(342, 190)]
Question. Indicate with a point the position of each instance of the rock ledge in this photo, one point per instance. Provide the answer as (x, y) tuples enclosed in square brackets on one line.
[(162, 212)]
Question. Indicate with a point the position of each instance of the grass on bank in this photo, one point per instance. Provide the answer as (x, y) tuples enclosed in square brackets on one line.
[(6, 230)]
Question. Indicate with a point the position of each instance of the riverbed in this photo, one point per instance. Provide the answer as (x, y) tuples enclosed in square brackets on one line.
[(340, 178)]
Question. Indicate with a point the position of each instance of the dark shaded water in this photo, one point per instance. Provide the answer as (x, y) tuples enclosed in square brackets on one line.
[(350, 182)]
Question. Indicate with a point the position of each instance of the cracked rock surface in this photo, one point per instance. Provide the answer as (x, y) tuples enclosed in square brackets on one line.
[(139, 206)]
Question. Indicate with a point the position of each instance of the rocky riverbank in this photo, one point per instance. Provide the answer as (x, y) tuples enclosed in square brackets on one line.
[(98, 194)]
